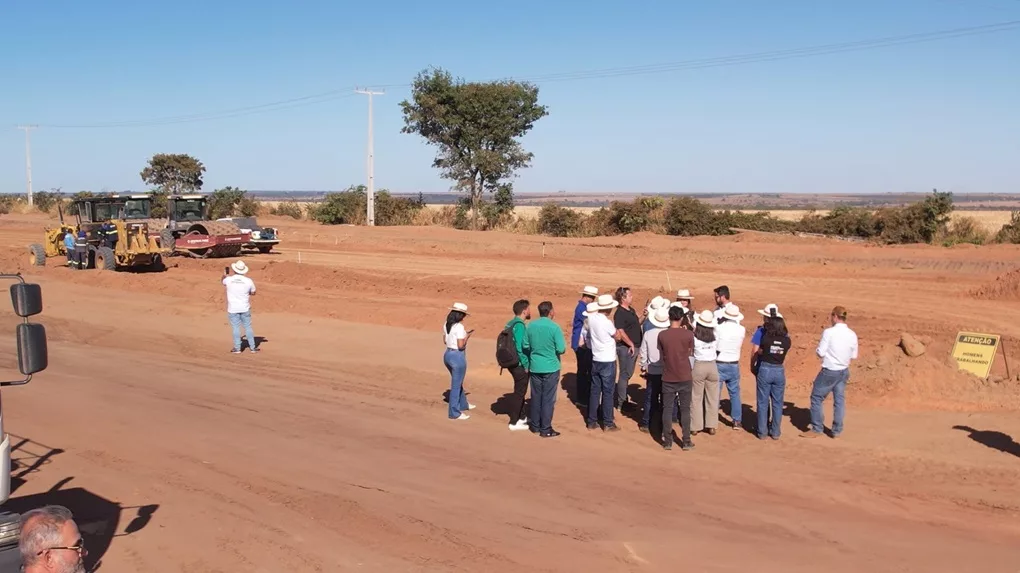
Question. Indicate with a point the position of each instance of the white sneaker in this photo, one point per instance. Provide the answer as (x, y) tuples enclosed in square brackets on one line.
[(517, 427), (462, 416), (523, 421), (471, 406)]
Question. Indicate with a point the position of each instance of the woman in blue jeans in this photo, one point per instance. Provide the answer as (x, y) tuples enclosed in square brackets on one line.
[(771, 377), (456, 338)]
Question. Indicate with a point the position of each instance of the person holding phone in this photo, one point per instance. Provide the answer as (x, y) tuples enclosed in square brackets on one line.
[(456, 337), (240, 289)]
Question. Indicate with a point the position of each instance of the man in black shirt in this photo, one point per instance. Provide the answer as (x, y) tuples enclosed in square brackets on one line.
[(626, 319)]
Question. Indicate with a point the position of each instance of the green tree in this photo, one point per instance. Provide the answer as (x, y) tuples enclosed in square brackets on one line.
[(343, 207), (174, 173), (225, 202), (476, 127)]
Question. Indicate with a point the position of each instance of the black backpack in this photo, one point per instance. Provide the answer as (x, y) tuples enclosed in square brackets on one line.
[(506, 350)]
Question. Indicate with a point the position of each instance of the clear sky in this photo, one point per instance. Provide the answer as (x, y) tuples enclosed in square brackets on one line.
[(912, 117)]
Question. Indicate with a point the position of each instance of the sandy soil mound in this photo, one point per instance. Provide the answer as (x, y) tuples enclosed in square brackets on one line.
[(931, 381), (1004, 287)]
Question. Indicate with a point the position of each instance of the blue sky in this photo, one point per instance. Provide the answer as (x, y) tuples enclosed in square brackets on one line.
[(906, 118)]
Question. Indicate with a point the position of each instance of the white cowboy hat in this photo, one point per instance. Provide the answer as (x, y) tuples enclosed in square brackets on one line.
[(684, 293), (659, 318), (606, 302), (591, 309), (705, 318), (732, 312), (239, 267), (657, 302), (590, 291), (459, 307), (767, 311)]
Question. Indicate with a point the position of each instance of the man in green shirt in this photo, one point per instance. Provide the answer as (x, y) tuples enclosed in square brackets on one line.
[(546, 342), (522, 312)]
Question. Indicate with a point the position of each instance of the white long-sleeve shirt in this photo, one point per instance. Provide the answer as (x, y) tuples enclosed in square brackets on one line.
[(651, 359), (729, 338), (837, 347)]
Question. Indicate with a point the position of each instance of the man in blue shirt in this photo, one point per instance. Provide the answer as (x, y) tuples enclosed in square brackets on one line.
[(69, 246), (583, 353)]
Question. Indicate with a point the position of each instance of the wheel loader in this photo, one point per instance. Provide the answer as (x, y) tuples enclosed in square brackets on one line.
[(189, 230), (135, 246)]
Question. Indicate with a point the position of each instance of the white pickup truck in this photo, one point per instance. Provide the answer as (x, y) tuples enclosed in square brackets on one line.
[(263, 239)]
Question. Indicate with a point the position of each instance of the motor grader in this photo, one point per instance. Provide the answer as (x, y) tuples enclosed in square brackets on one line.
[(135, 246), (189, 229)]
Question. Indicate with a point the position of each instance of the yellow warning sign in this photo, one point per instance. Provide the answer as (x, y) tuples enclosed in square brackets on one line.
[(974, 352)]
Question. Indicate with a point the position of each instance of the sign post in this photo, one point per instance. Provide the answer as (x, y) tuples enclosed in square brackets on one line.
[(974, 352)]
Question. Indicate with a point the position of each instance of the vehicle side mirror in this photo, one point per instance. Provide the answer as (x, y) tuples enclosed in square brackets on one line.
[(26, 299), (32, 352)]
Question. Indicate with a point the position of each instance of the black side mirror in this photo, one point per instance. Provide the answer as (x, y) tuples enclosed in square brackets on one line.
[(32, 352), (27, 299)]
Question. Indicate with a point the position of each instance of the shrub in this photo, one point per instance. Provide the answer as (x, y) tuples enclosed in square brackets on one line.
[(390, 210), (843, 221), (760, 221), (249, 207), (9, 202), (288, 209), (559, 221), (964, 230), (342, 207), (1010, 232), (45, 201), (229, 201), (688, 217)]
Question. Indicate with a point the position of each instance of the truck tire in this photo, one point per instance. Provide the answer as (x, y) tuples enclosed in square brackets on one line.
[(167, 240), (37, 256), (264, 249), (157, 264), (105, 259)]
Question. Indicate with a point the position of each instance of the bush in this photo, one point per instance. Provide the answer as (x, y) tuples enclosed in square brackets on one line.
[(391, 211), (288, 209), (843, 221), (761, 221), (1010, 232), (964, 230), (45, 201), (230, 201), (559, 221), (9, 202), (350, 208), (688, 217), (249, 207)]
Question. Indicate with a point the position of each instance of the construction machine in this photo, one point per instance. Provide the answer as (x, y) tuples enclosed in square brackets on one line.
[(135, 246), (189, 229), (32, 358)]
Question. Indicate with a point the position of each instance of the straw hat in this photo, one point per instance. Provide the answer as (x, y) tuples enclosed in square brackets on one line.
[(239, 267), (459, 307), (657, 302), (660, 318), (732, 312), (770, 310), (705, 318), (606, 302), (590, 291), (684, 294), (591, 309)]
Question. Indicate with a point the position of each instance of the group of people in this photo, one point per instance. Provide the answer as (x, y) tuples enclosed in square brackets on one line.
[(77, 245), (687, 359)]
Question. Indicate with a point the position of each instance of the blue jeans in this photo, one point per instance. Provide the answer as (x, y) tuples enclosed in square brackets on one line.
[(771, 384), (543, 399), (827, 381), (653, 399), (729, 375), (456, 363), (237, 320), (603, 388)]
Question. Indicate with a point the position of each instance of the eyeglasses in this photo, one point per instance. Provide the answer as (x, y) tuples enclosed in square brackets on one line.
[(78, 546)]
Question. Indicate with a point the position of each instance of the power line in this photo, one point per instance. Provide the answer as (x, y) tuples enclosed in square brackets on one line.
[(646, 69)]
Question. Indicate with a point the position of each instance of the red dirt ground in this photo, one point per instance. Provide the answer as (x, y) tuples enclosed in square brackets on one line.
[(331, 450)]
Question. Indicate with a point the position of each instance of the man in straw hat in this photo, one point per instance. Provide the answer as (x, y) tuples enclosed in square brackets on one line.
[(837, 348), (603, 335), (581, 352), (729, 337), (676, 345), (240, 289)]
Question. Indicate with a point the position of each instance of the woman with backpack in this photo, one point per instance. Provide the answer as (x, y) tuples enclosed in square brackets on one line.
[(771, 376), (456, 338)]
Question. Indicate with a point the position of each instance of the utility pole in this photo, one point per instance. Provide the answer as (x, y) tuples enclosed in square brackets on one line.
[(371, 158), (28, 158)]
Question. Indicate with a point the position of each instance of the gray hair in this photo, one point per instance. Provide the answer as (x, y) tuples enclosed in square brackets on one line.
[(40, 530)]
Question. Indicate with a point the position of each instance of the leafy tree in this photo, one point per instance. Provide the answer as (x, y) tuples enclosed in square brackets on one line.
[(174, 173), (559, 221), (500, 211), (224, 202), (159, 204), (1010, 232), (476, 127)]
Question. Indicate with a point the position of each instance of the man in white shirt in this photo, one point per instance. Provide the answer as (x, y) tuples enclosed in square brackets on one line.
[(837, 348), (722, 298), (239, 291), (603, 335), (729, 339)]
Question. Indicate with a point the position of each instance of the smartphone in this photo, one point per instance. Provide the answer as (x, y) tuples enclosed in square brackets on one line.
[(226, 270)]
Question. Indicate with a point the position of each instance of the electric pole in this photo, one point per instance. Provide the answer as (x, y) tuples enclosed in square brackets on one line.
[(371, 158), (28, 158)]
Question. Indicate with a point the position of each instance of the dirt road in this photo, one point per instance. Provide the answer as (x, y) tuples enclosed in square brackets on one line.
[(331, 450)]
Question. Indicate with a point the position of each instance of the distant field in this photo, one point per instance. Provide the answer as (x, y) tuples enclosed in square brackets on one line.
[(992, 221)]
